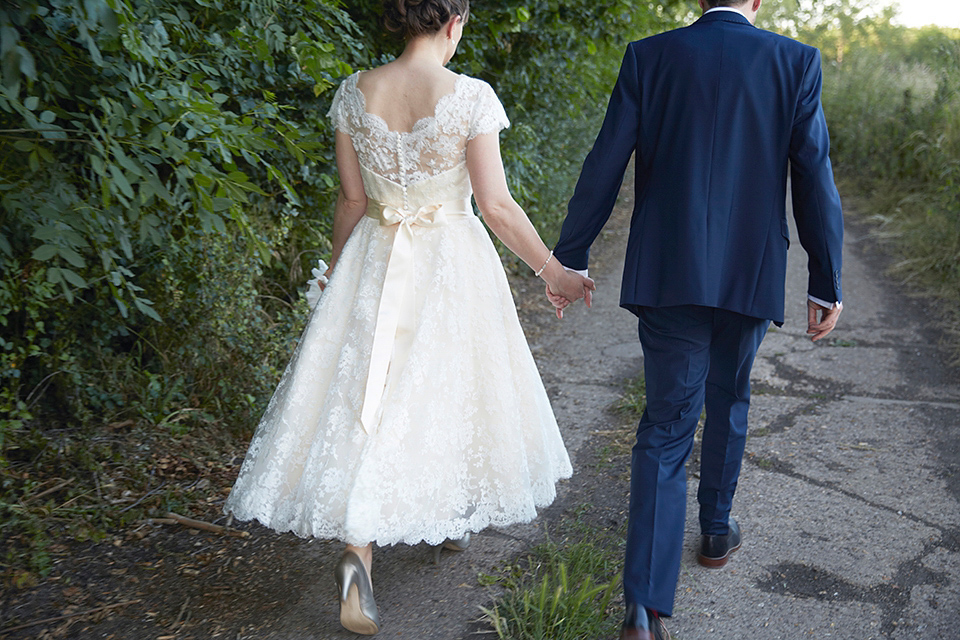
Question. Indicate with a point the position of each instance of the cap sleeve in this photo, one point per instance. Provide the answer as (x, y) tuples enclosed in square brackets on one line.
[(338, 108), (488, 113)]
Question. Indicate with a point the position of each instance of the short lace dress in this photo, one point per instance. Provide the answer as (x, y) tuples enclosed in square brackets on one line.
[(412, 409)]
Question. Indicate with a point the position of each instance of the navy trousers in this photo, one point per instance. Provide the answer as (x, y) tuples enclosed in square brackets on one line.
[(694, 357)]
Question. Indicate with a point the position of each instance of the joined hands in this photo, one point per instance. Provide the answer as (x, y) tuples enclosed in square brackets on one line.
[(570, 287)]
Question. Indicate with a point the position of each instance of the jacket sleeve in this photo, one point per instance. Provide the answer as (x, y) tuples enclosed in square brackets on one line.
[(816, 203), (603, 169)]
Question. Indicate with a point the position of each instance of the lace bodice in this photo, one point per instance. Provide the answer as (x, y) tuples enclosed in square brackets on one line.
[(437, 144)]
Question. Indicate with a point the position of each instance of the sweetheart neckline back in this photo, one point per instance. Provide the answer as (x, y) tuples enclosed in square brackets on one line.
[(417, 125)]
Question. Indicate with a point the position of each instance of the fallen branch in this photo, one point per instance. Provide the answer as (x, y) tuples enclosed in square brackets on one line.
[(857, 447), (71, 500), (4, 632), (144, 497), (205, 526), (183, 610), (49, 491)]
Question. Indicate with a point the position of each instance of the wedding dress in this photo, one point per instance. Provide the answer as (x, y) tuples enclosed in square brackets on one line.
[(412, 409)]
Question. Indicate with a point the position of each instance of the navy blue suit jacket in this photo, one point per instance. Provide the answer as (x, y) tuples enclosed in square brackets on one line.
[(714, 111)]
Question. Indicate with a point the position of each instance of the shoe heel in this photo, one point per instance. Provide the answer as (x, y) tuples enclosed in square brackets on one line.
[(713, 563), (358, 610), (461, 544)]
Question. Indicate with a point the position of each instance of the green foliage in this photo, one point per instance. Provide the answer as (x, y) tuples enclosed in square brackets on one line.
[(561, 592), (166, 180), (835, 26), (894, 117), (136, 133), (157, 158)]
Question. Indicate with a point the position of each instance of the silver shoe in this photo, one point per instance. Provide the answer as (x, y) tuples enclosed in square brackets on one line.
[(458, 545), (358, 609), (461, 544)]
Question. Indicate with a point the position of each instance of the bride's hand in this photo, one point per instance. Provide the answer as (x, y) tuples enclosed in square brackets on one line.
[(569, 287), (317, 284), (559, 302), (322, 282)]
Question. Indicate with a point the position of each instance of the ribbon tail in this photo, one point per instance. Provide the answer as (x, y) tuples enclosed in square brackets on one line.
[(392, 303)]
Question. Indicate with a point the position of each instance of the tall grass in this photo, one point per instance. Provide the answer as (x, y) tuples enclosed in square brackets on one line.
[(895, 124)]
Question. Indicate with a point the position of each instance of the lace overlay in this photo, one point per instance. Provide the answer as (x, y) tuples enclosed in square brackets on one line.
[(437, 143), (464, 437)]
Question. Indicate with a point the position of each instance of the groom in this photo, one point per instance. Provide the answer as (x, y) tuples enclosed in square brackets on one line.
[(716, 113)]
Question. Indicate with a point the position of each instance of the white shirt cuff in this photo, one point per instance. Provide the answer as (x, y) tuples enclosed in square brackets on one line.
[(582, 272), (822, 303)]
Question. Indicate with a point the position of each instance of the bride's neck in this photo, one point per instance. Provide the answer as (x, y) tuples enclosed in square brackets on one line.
[(426, 50)]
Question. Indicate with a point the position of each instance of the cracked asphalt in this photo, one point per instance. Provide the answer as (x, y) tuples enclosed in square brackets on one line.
[(849, 499)]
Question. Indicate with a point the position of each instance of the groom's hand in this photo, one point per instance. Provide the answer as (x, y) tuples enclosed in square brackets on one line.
[(575, 287), (818, 328)]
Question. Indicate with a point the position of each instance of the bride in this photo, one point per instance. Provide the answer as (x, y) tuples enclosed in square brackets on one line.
[(412, 410)]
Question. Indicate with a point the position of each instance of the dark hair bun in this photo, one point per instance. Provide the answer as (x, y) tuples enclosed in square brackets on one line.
[(412, 18)]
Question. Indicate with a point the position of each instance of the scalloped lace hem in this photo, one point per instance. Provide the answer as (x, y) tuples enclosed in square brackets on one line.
[(433, 533)]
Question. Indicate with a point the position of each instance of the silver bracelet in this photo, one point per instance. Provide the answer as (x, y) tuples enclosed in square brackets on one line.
[(549, 258)]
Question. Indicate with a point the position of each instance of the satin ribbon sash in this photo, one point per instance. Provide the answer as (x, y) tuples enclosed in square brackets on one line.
[(396, 315)]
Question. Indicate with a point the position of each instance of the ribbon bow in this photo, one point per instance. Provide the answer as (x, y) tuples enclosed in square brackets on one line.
[(428, 216), (396, 316)]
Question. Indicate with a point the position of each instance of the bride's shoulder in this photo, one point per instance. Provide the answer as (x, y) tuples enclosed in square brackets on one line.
[(487, 112), (350, 82), (475, 87), (347, 86), (472, 82), (345, 102)]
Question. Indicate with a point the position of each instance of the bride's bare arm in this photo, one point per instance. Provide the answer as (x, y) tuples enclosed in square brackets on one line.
[(352, 199), (509, 222)]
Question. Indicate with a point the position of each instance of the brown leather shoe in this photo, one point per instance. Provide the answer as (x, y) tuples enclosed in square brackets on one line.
[(716, 550), (648, 627), (659, 629), (632, 633)]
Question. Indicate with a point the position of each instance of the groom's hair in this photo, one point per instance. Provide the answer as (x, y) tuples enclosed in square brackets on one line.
[(725, 3)]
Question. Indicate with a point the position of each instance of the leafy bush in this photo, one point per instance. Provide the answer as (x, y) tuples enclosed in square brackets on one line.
[(158, 159), (168, 178), (140, 131)]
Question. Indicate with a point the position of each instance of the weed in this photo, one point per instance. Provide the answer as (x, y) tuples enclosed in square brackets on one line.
[(843, 343), (564, 592), (764, 463), (634, 400)]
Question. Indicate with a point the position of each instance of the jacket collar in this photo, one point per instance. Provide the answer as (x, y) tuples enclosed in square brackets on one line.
[(723, 16)]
